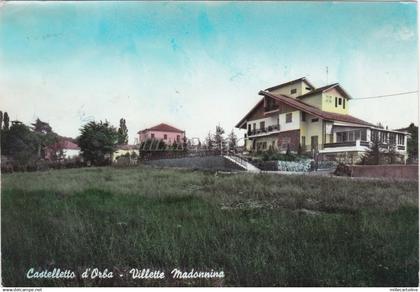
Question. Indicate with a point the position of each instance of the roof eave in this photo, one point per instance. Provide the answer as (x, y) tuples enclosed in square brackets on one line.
[(290, 82)]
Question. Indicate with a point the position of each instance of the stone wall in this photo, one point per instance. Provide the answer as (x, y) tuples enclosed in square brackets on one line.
[(395, 171)]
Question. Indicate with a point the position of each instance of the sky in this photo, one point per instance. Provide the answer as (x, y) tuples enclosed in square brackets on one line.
[(196, 65)]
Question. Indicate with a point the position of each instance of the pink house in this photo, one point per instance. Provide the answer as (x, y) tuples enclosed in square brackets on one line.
[(163, 132)]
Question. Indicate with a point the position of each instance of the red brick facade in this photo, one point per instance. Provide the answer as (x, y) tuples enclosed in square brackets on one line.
[(291, 138)]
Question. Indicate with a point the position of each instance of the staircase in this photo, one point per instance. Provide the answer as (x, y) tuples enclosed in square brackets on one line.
[(242, 163)]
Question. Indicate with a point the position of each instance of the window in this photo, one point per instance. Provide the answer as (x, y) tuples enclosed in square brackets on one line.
[(303, 141), (344, 103), (314, 120), (374, 135), (270, 104), (289, 118), (249, 128), (336, 101), (152, 136), (285, 142), (293, 91), (254, 126), (303, 116), (352, 135), (392, 138), (400, 139), (363, 135), (262, 125), (314, 142), (165, 137), (178, 138), (308, 88), (382, 136), (339, 101), (341, 137)]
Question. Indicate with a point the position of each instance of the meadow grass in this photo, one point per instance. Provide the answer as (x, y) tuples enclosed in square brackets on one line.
[(261, 230)]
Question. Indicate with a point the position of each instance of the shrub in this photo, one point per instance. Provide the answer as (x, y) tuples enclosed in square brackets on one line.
[(295, 166)]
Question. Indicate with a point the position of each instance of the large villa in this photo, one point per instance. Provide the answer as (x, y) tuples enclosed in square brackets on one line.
[(299, 117)]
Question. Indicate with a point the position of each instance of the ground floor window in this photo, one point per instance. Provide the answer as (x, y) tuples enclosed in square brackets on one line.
[(284, 142), (314, 142), (261, 146), (400, 139)]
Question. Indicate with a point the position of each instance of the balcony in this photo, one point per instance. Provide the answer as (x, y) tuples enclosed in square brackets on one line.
[(358, 143), (341, 144), (263, 132)]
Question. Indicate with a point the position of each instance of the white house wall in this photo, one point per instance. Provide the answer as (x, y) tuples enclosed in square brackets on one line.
[(294, 125), (269, 121)]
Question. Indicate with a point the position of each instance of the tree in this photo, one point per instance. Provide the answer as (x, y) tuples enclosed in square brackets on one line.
[(373, 155), (219, 140), (46, 136), (122, 133), (175, 145), (412, 142), (232, 140), (1, 120), (20, 143), (97, 142), (209, 141), (41, 127), (6, 121), (152, 145)]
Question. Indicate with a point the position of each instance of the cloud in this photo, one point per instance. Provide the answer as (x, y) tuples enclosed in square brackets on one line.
[(395, 33)]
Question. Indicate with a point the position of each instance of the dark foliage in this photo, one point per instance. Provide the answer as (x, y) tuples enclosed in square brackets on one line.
[(122, 133), (97, 142)]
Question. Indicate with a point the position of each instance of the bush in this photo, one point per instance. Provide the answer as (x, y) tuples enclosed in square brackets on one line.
[(295, 166)]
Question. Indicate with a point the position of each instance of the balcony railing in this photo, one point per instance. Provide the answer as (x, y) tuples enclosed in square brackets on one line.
[(362, 143), (265, 130), (340, 144)]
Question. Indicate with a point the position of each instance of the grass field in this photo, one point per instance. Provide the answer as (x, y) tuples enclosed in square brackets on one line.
[(261, 230)]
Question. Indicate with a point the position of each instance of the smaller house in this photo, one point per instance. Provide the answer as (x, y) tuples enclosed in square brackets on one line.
[(65, 148), (167, 133), (123, 150)]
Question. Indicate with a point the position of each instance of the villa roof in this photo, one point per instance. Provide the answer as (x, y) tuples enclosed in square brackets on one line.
[(300, 105), (290, 82), (66, 143), (325, 88), (162, 127)]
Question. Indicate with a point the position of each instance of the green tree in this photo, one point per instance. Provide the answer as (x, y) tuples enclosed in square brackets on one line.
[(232, 140), (20, 143), (6, 121), (41, 127), (373, 155), (219, 139), (97, 142), (152, 145), (46, 136), (412, 142), (122, 133), (209, 141)]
